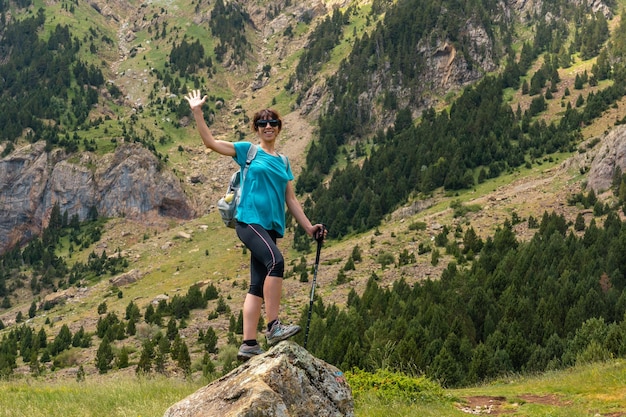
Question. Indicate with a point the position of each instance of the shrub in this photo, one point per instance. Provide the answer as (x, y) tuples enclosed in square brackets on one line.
[(417, 226), (385, 258), (393, 386), (67, 359)]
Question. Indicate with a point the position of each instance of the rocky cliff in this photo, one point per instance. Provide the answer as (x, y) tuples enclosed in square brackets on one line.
[(608, 156), (128, 182)]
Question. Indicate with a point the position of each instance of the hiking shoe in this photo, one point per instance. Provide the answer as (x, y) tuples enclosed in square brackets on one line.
[(246, 352), (280, 332)]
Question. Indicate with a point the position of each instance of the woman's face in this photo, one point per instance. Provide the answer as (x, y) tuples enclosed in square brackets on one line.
[(268, 127)]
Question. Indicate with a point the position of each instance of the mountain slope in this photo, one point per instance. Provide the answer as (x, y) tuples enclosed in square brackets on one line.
[(135, 42)]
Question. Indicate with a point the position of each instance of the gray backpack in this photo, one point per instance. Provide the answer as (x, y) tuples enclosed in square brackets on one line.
[(227, 205)]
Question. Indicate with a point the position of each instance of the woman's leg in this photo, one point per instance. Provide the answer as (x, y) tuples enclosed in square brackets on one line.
[(272, 291), (266, 271), (251, 314)]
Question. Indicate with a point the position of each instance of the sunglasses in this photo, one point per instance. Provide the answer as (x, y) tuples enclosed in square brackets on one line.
[(263, 123)]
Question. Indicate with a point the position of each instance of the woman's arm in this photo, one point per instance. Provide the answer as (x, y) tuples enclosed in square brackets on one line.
[(295, 208), (196, 100)]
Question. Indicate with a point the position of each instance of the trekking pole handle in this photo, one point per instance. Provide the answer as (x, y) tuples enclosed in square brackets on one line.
[(319, 234), (319, 237)]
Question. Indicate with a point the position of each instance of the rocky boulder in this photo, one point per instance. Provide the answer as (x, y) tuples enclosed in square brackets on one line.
[(126, 278), (286, 381)]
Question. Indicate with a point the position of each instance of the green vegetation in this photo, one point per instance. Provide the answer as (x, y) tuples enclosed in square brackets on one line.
[(51, 271), (597, 388), (228, 23), (550, 303), (324, 38), (111, 396), (40, 78), (572, 393)]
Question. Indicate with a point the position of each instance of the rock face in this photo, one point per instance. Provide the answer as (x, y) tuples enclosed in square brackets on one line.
[(286, 381), (128, 182), (126, 278), (611, 154)]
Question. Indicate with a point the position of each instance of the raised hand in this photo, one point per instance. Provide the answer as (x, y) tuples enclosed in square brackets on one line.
[(195, 99)]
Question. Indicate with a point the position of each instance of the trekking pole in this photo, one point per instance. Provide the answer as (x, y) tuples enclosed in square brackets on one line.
[(320, 239)]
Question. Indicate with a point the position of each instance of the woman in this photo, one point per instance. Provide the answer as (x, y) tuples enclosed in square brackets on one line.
[(260, 221)]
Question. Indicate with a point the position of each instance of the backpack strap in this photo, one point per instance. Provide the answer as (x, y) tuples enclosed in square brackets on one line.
[(249, 157)]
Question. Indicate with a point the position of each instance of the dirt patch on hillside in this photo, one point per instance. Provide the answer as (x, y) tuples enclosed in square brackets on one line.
[(483, 404), (499, 405)]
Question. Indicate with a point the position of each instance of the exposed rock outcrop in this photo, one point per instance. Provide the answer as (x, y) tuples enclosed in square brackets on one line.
[(610, 154), (115, 10), (126, 278), (128, 182), (527, 9), (286, 381)]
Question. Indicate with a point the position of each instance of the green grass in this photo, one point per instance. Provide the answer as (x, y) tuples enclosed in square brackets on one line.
[(589, 390), (101, 396), (596, 389), (372, 406)]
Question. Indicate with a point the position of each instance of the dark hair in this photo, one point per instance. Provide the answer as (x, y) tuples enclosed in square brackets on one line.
[(267, 114)]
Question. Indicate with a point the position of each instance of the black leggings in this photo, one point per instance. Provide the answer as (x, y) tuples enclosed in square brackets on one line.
[(266, 259)]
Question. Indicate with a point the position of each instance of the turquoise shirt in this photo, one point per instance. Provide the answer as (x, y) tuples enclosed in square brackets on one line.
[(262, 199)]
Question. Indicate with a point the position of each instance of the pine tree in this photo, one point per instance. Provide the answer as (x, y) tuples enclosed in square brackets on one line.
[(132, 311), (349, 266), (122, 358), (62, 341), (149, 315), (176, 346), (26, 342), (32, 310), (131, 328), (163, 349), (222, 307), (341, 278), (102, 307), (172, 330), (210, 340), (144, 366), (183, 359), (211, 293), (104, 356), (238, 328), (208, 367), (80, 374), (579, 224), (41, 336)]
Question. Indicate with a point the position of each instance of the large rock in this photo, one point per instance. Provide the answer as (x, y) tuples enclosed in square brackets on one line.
[(610, 155), (126, 278), (286, 381)]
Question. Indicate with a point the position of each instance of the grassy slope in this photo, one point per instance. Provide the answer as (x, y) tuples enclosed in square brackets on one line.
[(597, 389)]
